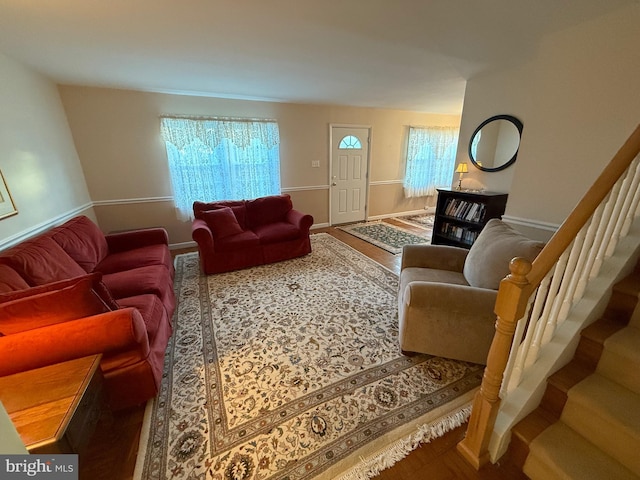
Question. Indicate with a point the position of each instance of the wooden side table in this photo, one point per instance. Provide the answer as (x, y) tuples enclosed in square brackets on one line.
[(55, 408)]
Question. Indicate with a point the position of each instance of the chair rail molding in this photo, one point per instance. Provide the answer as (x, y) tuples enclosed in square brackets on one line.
[(43, 226)]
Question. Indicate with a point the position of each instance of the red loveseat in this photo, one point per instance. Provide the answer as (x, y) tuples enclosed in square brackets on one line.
[(72, 292), (238, 234)]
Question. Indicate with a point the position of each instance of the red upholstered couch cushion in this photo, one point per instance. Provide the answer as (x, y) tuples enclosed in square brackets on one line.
[(238, 207), (156, 254), (10, 280), (269, 209), (41, 260), (83, 241), (222, 222)]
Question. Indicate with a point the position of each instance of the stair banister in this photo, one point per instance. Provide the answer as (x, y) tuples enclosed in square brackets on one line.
[(516, 291)]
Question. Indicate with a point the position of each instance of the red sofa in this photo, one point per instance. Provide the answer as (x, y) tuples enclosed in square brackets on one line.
[(73, 291), (238, 234)]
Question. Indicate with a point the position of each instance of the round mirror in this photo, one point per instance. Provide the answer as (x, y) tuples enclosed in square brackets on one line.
[(494, 144)]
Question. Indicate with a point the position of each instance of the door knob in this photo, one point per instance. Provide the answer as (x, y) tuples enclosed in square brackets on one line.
[(334, 184)]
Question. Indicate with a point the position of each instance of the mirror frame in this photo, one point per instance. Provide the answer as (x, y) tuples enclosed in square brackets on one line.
[(509, 118)]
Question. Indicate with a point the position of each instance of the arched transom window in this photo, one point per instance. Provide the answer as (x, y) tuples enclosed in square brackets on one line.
[(350, 142)]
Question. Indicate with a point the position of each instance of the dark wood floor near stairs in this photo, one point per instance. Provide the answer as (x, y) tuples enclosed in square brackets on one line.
[(112, 452)]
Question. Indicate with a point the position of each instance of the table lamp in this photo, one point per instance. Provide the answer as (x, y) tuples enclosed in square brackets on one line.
[(462, 168)]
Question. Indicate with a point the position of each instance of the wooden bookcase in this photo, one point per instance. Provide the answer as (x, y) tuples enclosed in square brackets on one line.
[(461, 215)]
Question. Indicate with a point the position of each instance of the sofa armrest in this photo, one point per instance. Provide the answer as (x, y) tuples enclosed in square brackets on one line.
[(201, 234), (301, 220), (439, 257), (107, 333), (123, 241)]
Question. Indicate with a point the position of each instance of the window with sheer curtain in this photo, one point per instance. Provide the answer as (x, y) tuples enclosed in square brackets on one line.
[(431, 156), (221, 159)]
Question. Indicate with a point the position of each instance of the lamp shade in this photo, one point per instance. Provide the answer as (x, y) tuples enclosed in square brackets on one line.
[(462, 168)]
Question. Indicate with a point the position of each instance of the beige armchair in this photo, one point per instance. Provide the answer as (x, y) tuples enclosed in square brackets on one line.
[(447, 294)]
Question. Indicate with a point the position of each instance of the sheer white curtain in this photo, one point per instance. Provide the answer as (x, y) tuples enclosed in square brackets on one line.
[(221, 159), (431, 156)]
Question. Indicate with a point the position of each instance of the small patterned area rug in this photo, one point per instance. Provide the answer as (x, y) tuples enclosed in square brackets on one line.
[(425, 221), (386, 236), (293, 371)]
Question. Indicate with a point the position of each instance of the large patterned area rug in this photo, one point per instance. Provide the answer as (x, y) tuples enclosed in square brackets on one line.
[(293, 371), (386, 236)]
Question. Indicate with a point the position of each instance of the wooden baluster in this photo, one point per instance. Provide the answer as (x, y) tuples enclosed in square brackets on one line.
[(474, 447), (516, 289)]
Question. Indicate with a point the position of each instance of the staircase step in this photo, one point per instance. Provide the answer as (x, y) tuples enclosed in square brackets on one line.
[(559, 384), (592, 339), (620, 312), (525, 431), (560, 453), (608, 415), (620, 359), (624, 297)]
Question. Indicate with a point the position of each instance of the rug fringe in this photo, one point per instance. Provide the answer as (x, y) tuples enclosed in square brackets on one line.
[(371, 466)]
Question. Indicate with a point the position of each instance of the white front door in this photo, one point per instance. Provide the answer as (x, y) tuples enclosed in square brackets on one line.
[(349, 174)]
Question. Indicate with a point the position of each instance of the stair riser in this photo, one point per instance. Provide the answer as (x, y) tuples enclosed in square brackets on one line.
[(621, 369)]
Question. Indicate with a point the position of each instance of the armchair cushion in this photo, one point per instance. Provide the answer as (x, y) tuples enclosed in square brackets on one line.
[(488, 260)]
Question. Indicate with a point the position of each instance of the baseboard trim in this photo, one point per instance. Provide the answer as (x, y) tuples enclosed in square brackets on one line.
[(426, 210), (181, 245)]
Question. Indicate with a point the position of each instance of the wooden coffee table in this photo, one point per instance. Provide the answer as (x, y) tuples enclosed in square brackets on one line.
[(55, 408)]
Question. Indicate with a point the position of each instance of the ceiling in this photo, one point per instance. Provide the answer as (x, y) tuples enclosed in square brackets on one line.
[(404, 54)]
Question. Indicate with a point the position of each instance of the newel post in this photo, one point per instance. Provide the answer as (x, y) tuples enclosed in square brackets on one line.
[(510, 307)]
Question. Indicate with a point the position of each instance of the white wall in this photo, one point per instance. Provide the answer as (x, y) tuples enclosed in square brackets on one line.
[(578, 98), (37, 154), (10, 441)]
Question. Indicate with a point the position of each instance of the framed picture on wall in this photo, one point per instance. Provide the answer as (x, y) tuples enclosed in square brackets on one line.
[(7, 207)]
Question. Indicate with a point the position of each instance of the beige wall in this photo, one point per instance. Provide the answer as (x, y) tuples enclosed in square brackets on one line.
[(37, 155), (117, 136), (576, 95), (578, 98)]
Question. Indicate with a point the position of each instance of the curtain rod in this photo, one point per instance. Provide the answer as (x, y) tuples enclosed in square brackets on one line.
[(222, 119)]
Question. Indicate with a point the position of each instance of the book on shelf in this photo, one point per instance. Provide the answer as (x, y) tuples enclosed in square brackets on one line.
[(465, 210), (459, 233)]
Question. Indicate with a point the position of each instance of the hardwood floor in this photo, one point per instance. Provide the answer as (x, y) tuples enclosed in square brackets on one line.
[(112, 452)]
